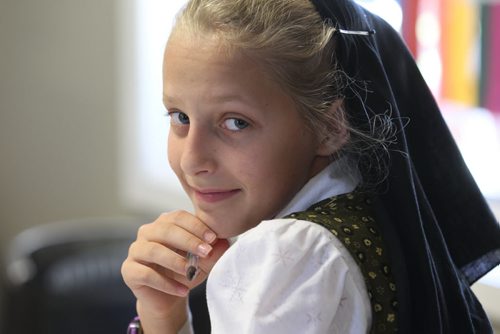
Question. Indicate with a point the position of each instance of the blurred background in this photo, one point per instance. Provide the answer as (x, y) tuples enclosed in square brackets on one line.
[(83, 139)]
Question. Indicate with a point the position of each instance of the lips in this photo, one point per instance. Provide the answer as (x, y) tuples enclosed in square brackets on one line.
[(215, 195)]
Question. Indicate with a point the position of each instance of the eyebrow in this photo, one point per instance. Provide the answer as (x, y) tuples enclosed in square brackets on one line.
[(217, 99), (170, 99)]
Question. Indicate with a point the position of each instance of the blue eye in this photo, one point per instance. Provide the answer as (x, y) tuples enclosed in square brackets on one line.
[(235, 124), (177, 117)]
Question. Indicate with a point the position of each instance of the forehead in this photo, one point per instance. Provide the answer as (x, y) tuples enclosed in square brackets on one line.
[(206, 50), (204, 67)]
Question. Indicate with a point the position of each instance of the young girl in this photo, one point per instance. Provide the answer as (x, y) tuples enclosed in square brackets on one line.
[(305, 129)]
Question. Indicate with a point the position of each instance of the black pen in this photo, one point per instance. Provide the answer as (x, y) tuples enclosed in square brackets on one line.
[(192, 269)]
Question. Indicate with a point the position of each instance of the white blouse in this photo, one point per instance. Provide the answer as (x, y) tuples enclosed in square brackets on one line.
[(290, 276)]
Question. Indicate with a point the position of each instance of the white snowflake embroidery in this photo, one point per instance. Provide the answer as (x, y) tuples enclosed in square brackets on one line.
[(235, 286), (314, 319), (283, 257)]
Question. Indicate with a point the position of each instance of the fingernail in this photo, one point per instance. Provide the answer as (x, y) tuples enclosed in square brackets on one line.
[(209, 236), (204, 249)]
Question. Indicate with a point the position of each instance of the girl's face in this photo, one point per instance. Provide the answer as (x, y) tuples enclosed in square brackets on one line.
[(237, 142)]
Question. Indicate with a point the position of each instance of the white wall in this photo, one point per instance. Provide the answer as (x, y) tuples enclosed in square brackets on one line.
[(147, 182), (58, 114)]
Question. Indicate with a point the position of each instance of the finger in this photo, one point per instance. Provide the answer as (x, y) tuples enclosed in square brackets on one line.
[(172, 230), (148, 252), (190, 223), (174, 236), (137, 275)]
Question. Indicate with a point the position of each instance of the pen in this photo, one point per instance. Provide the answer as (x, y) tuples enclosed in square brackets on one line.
[(192, 269)]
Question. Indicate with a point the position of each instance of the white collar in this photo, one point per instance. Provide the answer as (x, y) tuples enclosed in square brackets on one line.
[(331, 181)]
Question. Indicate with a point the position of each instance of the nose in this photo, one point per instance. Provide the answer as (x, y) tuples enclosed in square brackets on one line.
[(199, 150)]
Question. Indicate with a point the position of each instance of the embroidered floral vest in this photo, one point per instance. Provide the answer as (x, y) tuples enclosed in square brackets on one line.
[(350, 217)]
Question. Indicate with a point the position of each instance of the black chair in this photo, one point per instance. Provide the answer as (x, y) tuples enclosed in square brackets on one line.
[(64, 278)]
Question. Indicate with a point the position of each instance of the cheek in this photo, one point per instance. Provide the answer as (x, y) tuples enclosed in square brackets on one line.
[(294, 150), (173, 154), (266, 166)]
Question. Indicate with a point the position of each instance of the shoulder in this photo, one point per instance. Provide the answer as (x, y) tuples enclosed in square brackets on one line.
[(283, 267), (294, 234), (279, 247)]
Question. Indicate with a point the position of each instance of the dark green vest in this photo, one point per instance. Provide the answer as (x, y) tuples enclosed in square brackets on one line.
[(350, 217)]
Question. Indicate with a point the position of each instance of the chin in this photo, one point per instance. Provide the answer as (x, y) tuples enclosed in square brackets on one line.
[(225, 227), (223, 232)]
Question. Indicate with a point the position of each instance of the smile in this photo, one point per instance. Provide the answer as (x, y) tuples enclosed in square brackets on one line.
[(213, 196)]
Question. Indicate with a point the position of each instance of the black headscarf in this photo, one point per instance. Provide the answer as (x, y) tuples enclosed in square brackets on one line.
[(441, 232)]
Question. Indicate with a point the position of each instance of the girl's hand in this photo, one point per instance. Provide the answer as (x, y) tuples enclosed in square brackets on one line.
[(155, 269)]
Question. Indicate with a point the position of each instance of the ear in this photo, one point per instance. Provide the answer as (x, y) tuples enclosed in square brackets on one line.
[(337, 133)]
